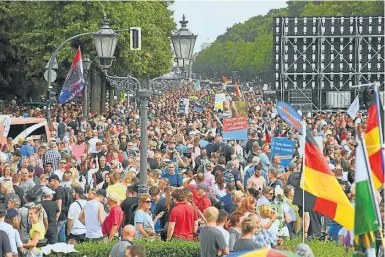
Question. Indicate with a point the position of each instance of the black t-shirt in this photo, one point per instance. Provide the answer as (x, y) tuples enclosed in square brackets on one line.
[(237, 177), (126, 205), (51, 209), (5, 244), (60, 195), (98, 174), (20, 193), (161, 206)]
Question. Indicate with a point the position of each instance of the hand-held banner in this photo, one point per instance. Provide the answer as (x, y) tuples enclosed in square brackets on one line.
[(290, 116), (283, 147), (74, 83), (235, 120)]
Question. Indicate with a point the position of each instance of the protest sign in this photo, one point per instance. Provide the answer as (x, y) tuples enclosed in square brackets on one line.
[(183, 105), (290, 116), (218, 104), (235, 121), (284, 148)]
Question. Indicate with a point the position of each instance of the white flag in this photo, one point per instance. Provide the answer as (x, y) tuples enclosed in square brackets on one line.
[(354, 107)]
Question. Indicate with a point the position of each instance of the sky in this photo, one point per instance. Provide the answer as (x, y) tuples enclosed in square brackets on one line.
[(211, 18)]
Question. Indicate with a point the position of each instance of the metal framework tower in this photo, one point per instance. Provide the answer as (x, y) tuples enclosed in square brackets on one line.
[(319, 59)]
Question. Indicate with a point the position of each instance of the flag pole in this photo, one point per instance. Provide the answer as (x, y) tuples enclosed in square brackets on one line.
[(378, 102), (303, 139)]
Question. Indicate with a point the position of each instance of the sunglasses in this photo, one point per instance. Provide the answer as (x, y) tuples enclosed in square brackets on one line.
[(271, 193), (62, 162), (148, 201)]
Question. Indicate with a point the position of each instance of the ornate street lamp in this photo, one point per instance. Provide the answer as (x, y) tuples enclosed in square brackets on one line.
[(105, 43), (183, 42)]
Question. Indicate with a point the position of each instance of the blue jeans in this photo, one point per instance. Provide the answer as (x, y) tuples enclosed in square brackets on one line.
[(61, 231)]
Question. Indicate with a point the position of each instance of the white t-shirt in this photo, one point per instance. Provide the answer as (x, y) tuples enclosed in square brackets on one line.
[(274, 228), (225, 234), (92, 143), (220, 193), (59, 173), (73, 213), (343, 232)]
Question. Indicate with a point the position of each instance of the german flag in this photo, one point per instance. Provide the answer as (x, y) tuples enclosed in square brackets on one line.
[(373, 140), (318, 180)]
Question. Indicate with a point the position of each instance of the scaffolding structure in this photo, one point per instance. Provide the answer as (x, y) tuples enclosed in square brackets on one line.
[(318, 60)]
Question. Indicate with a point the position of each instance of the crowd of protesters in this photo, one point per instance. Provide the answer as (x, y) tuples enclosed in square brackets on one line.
[(229, 195)]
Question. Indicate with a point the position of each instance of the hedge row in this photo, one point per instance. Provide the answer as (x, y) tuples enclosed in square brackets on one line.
[(191, 249)]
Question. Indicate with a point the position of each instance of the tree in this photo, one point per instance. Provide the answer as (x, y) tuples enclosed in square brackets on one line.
[(39, 27)]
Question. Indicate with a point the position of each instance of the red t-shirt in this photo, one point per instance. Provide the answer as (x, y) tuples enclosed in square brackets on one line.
[(115, 217), (203, 202), (184, 217)]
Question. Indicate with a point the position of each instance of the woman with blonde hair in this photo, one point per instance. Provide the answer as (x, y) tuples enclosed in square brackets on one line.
[(269, 219), (36, 233), (130, 175), (9, 192), (249, 226)]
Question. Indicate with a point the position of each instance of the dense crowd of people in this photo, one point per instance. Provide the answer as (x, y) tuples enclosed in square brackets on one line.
[(230, 196)]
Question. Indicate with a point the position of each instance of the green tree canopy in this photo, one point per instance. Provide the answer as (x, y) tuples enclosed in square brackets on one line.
[(39, 27)]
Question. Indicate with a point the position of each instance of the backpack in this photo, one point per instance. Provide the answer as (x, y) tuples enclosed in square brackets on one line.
[(68, 199), (38, 191), (130, 218), (29, 223)]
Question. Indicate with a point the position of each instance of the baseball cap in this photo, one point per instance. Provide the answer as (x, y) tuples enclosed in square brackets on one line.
[(17, 153), (209, 165), (55, 177), (101, 192), (11, 213), (114, 196), (47, 191), (202, 186), (190, 146)]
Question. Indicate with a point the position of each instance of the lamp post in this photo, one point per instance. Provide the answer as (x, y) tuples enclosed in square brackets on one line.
[(183, 42), (86, 66), (105, 42), (50, 76)]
